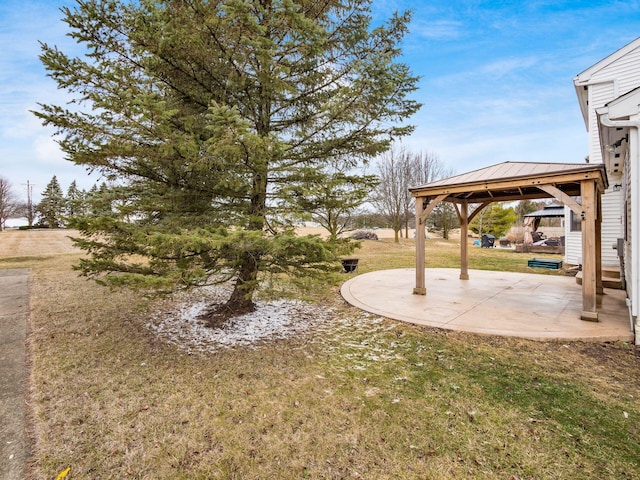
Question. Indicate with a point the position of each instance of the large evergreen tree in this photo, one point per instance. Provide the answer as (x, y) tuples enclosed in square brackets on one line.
[(203, 111), (494, 219), (74, 203), (51, 208)]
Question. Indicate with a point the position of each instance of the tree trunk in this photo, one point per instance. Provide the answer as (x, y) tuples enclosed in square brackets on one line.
[(241, 299)]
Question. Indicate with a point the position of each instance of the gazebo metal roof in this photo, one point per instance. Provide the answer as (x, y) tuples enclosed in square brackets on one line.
[(551, 211), (513, 181)]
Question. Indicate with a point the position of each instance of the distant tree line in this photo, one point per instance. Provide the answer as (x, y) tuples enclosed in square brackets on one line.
[(55, 209), (336, 202), (394, 207)]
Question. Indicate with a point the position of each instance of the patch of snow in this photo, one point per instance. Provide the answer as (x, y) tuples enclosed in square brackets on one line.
[(272, 320)]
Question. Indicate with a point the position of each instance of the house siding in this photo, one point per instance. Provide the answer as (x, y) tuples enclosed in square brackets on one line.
[(612, 227), (573, 242), (606, 84), (624, 70), (599, 95)]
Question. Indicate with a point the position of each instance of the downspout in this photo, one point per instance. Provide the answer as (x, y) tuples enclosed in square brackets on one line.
[(634, 144)]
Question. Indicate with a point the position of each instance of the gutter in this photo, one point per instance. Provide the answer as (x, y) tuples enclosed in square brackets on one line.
[(634, 142), (582, 92)]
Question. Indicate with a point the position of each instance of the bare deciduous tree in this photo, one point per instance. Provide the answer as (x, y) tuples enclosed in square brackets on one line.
[(423, 167), (10, 205), (398, 170), (391, 192)]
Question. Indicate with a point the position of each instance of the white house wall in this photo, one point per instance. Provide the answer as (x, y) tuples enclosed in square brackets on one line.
[(611, 231), (624, 70), (612, 226), (572, 242), (599, 95), (605, 84)]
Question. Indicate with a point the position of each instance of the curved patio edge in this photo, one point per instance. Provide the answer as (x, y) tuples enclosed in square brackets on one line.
[(524, 305)]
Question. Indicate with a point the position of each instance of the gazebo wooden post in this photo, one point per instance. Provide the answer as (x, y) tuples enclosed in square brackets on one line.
[(589, 256), (464, 243), (420, 288), (599, 287)]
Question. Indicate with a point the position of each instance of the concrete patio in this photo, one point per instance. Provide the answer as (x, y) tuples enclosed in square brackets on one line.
[(533, 306)]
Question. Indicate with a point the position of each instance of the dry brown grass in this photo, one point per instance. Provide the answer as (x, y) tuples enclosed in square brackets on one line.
[(358, 397), (24, 243)]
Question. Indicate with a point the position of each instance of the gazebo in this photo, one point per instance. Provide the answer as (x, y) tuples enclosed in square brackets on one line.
[(578, 186), (532, 220)]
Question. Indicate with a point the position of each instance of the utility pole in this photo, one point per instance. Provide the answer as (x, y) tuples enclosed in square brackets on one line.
[(29, 203)]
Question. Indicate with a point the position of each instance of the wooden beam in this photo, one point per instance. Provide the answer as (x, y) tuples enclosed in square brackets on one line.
[(420, 288), (506, 198), (457, 208), (463, 214), (477, 211), (589, 199), (432, 204), (563, 197), (558, 178)]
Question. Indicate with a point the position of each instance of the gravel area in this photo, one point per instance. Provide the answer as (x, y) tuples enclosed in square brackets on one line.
[(183, 326)]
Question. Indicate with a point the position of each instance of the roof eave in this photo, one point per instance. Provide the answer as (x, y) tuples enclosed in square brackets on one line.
[(590, 171), (583, 100), (584, 77), (578, 170)]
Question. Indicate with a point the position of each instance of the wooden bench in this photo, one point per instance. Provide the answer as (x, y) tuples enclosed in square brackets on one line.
[(545, 263)]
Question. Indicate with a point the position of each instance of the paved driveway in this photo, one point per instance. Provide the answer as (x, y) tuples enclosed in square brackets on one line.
[(14, 316)]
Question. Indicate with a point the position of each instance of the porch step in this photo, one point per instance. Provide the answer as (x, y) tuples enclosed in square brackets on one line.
[(610, 278)]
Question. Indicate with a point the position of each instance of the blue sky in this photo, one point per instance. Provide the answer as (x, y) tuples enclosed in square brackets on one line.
[(496, 80)]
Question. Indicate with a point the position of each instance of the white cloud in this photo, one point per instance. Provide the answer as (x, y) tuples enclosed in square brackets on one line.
[(507, 66), (47, 151), (438, 29)]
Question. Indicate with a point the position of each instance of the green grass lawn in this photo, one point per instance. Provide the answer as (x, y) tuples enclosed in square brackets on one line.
[(354, 397), (446, 254)]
